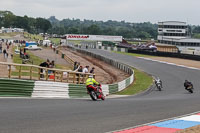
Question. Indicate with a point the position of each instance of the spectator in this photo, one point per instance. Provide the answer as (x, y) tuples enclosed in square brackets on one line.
[(24, 50), (0, 47), (92, 70), (86, 69), (4, 53), (51, 65), (7, 46), (80, 69), (44, 64), (76, 64)]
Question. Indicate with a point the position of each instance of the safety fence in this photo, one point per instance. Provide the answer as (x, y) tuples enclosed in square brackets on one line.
[(33, 72), (113, 48), (65, 57), (94, 46)]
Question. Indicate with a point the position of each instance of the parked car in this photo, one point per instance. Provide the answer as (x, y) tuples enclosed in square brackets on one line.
[(33, 47)]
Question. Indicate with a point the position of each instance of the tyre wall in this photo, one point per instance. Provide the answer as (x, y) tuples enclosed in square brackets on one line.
[(16, 88)]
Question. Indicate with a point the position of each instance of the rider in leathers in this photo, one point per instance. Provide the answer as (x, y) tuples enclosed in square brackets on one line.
[(158, 81), (187, 84), (90, 82)]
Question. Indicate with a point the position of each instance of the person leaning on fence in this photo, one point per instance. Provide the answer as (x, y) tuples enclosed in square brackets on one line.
[(44, 64), (80, 69), (92, 70), (86, 69)]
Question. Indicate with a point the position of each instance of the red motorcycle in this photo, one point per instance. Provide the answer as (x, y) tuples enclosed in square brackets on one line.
[(95, 92)]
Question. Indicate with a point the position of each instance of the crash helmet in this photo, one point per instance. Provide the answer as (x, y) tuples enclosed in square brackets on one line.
[(90, 76)]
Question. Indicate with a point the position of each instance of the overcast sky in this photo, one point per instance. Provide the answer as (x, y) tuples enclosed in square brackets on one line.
[(127, 10)]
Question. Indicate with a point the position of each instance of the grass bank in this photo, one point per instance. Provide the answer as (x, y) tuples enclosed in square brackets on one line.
[(142, 82), (35, 60)]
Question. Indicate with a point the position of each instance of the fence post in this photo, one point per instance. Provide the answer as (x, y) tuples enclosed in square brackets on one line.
[(61, 78), (39, 73), (79, 78), (31, 73), (54, 73), (9, 71), (74, 77), (20, 69), (46, 74)]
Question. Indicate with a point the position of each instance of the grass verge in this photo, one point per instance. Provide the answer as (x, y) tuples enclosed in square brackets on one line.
[(142, 82), (36, 61)]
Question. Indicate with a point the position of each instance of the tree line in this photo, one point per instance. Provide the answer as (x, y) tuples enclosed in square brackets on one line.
[(31, 25), (52, 25), (126, 29)]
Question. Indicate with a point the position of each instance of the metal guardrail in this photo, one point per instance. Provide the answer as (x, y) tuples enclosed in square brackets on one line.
[(34, 72)]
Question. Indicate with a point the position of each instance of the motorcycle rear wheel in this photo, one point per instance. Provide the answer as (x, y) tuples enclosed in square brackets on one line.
[(191, 91), (102, 97), (159, 88)]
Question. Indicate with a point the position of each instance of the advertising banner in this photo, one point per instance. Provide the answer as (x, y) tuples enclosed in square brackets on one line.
[(93, 37)]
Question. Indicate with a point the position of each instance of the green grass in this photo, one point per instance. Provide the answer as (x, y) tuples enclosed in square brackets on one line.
[(133, 54), (142, 82), (36, 61), (33, 37), (55, 40)]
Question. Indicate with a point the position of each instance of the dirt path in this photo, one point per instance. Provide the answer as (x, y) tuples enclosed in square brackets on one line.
[(3, 68), (48, 53), (105, 73)]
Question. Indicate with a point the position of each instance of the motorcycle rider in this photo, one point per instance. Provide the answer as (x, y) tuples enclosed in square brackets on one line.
[(91, 82), (187, 84), (158, 81)]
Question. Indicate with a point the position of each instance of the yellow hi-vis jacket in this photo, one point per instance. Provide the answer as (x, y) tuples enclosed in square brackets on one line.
[(91, 81)]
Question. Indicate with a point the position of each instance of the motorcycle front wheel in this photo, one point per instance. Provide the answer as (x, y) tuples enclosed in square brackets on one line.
[(93, 95)]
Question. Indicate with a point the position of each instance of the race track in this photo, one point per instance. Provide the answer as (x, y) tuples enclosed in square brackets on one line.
[(86, 116)]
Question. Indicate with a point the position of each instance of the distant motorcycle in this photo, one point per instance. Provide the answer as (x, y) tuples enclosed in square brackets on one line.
[(96, 94), (158, 85)]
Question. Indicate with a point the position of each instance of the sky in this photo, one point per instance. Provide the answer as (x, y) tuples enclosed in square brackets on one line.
[(133, 11)]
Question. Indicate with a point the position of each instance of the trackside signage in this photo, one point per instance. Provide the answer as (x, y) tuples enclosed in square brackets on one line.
[(93, 37)]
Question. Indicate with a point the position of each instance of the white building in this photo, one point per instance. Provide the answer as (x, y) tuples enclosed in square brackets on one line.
[(176, 33), (9, 30)]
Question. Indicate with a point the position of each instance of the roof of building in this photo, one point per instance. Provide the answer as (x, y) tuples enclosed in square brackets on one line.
[(189, 40), (172, 23)]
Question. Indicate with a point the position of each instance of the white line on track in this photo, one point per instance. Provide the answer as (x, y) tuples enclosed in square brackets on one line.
[(194, 68)]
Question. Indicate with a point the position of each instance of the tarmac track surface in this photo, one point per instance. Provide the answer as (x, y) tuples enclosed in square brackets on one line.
[(86, 116)]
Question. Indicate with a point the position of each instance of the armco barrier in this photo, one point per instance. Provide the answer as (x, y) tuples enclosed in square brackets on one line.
[(16, 88)]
